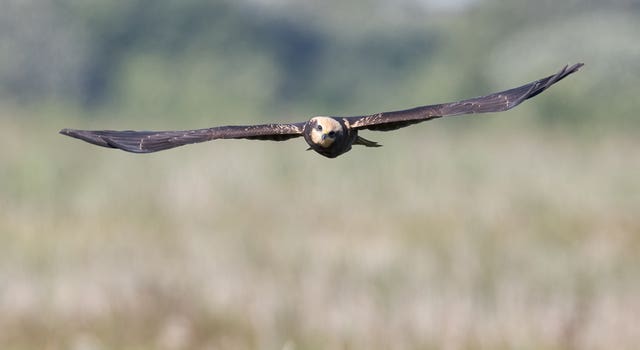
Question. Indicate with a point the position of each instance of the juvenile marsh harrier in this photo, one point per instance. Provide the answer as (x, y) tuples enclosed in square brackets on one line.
[(329, 136)]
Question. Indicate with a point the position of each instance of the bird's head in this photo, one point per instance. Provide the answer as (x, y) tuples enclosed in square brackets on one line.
[(324, 131)]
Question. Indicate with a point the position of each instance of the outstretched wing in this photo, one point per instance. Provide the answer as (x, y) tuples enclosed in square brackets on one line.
[(153, 141), (497, 102)]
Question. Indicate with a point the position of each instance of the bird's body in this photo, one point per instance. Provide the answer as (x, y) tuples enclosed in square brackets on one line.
[(329, 136), (332, 136)]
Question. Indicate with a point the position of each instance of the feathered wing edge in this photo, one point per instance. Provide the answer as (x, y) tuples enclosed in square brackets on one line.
[(496, 102), (153, 141)]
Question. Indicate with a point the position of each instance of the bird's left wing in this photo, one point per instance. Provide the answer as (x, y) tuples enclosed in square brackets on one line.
[(153, 141), (496, 102)]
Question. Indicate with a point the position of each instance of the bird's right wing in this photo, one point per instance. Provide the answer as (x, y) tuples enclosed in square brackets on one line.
[(153, 141)]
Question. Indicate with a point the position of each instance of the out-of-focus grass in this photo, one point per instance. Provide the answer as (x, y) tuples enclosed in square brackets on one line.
[(492, 236)]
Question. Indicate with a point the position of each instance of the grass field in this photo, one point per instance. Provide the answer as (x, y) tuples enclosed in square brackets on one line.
[(494, 236)]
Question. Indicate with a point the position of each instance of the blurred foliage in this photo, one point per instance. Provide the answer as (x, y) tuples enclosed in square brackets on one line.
[(257, 59)]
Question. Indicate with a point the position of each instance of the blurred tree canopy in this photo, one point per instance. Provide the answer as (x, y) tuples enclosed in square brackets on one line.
[(282, 56)]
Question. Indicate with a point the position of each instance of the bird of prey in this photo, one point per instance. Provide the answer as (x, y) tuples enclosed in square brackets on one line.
[(330, 136)]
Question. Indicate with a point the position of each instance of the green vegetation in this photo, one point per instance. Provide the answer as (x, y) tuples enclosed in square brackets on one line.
[(517, 230)]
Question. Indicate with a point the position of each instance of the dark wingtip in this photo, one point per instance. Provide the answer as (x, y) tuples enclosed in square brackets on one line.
[(87, 136), (69, 132), (576, 67), (543, 84), (568, 70), (65, 131)]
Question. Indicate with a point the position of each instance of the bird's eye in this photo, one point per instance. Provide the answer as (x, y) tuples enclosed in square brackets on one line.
[(332, 134), (319, 127)]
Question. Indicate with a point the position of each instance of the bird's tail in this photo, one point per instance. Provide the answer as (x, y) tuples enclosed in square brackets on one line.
[(364, 142)]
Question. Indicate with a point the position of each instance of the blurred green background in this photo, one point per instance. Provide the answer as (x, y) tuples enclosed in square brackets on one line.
[(514, 230)]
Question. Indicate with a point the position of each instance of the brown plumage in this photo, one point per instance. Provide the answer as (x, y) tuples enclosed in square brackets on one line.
[(329, 136)]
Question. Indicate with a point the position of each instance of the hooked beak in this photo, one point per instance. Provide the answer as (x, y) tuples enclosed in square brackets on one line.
[(324, 136)]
